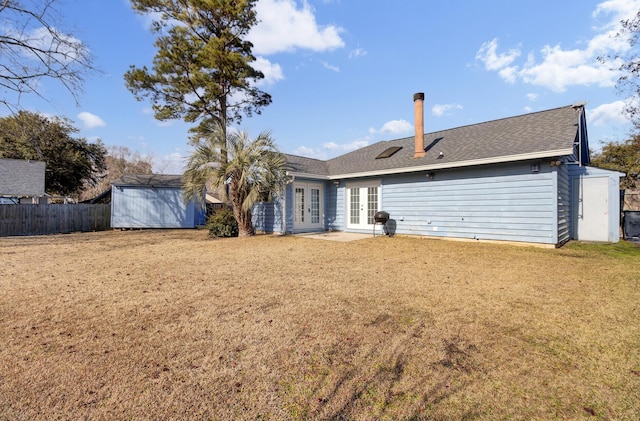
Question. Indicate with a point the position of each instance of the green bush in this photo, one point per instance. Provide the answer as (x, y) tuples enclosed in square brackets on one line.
[(222, 224)]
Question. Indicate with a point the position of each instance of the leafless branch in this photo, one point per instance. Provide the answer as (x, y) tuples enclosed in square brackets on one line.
[(32, 48)]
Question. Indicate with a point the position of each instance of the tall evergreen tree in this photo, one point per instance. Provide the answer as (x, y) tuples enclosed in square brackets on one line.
[(202, 71)]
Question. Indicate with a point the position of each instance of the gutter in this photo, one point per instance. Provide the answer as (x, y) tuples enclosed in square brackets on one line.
[(459, 164), (307, 175)]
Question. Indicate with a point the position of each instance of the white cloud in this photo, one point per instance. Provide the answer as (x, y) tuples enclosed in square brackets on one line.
[(621, 9), (558, 68), (330, 67), (346, 147), (358, 52), (61, 47), (283, 27), (607, 114), (561, 68), (91, 121), (393, 127), (491, 59), (439, 110), (173, 163), (331, 149), (532, 96), (272, 71), (310, 152)]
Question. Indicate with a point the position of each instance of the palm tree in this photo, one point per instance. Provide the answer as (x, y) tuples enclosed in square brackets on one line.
[(250, 169)]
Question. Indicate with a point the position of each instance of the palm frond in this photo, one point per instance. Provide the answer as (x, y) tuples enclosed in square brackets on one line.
[(251, 167)]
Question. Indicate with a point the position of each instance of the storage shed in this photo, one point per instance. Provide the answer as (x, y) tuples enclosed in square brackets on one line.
[(152, 201), (596, 204)]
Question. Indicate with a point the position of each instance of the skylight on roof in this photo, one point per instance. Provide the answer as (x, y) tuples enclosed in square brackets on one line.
[(388, 152)]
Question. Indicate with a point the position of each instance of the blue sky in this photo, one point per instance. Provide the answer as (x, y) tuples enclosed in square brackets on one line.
[(342, 73)]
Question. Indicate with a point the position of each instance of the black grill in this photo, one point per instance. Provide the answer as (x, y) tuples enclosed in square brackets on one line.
[(381, 217)]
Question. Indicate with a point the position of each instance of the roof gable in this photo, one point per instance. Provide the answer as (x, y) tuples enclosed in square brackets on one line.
[(309, 166)]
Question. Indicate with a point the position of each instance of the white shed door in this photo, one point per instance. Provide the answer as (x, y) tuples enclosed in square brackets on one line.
[(592, 208)]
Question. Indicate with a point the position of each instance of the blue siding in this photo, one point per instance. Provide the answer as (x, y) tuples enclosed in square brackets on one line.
[(564, 204), (289, 208), (142, 207), (334, 207), (492, 203), (267, 216)]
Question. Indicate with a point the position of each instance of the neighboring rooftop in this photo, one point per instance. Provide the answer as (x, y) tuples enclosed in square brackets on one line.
[(21, 177)]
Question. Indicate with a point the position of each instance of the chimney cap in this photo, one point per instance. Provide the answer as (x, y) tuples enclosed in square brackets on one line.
[(418, 96)]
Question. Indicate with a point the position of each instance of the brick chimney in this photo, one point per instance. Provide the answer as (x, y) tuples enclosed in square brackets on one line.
[(418, 107)]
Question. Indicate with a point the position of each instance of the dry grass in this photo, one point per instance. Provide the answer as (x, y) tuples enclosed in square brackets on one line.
[(170, 325)]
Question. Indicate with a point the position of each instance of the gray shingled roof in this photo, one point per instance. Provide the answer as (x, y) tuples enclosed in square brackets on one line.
[(548, 133), (20, 177), (148, 180), (304, 165)]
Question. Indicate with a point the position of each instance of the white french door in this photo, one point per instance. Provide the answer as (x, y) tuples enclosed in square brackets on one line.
[(308, 208), (363, 201)]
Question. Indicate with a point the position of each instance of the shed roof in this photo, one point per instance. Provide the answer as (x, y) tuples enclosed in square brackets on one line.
[(549, 133), (148, 180)]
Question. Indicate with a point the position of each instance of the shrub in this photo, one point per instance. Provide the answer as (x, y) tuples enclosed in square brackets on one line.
[(222, 224)]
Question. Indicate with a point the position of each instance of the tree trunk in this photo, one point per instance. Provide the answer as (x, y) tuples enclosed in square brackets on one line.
[(245, 226)]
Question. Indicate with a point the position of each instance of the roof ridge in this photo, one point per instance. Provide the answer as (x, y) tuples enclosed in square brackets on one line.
[(305, 157), (506, 118)]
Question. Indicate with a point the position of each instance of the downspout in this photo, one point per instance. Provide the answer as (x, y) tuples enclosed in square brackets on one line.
[(580, 139), (579, 107)]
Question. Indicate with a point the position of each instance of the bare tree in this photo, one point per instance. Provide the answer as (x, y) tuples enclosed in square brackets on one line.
[(628, 64), (32, 48), (118, 161)]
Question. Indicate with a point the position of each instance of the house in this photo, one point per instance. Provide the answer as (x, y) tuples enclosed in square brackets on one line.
[(21, 181), (522, 179), (152, 201)]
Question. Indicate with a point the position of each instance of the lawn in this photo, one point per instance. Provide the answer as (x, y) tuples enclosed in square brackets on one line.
[(173, 325)]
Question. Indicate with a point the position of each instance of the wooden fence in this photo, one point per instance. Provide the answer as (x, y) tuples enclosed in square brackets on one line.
[(53, 219), (631, 200)]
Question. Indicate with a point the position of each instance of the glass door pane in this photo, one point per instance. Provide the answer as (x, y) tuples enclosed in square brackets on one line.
[(372, 204), (315, 206), (354, 206), (299, 210)]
